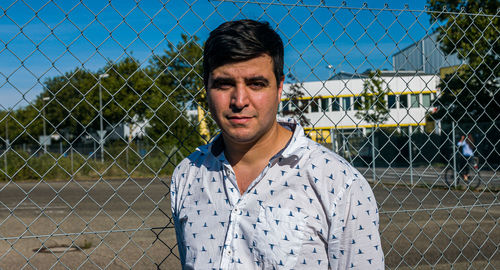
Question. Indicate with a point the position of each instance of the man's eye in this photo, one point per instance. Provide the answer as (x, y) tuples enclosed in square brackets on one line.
[(221, 85), (257, 85)]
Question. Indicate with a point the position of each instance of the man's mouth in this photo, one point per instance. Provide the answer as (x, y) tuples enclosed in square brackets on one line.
[(239, 119)]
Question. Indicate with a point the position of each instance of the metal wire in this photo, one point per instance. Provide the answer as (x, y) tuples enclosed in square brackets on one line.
[(377, 85)]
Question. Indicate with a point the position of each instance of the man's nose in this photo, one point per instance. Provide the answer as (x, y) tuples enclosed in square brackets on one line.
[(239, 98)]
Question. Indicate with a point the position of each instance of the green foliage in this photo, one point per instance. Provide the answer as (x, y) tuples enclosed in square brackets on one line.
[(471, 93), (374, 107), (178, 73), (74, 97), (123, 160), (126, 92), (178, 85), (23, 166), (159, 93)]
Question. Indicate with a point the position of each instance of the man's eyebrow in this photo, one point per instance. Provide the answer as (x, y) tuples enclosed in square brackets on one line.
[(219, 80), (257, 78)]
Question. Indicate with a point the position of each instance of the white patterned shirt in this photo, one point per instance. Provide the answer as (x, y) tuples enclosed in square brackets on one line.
[(308, 209)]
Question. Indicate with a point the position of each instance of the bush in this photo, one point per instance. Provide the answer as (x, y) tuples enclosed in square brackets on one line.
[(120, 161)]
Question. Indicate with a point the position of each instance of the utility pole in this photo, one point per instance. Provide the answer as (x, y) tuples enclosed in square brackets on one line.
[(6, 142), (44, 128), (101, 132)]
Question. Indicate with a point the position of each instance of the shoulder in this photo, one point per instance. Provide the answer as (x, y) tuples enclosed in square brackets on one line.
[(333, 171), (194, 162), (329, 161)]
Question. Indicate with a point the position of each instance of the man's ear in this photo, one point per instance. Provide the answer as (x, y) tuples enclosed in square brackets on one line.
[(280, 87)]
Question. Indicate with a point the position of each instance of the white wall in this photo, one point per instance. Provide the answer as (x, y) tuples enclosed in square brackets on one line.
[(399, 86)]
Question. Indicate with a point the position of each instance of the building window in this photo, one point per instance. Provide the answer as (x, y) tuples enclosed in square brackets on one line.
[(414, 101), (285, 106), (314, 105), (294, 104), (324, 104), (405, 130), (391, 101), (346, 103), (335, 104), (426, 100), (403, 101), (302, 105), (358, 103)]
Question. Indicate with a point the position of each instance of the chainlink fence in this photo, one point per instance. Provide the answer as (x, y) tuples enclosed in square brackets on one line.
[(100, 100)]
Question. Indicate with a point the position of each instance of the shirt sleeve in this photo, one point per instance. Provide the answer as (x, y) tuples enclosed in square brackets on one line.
[(174, 203), (354, 239)]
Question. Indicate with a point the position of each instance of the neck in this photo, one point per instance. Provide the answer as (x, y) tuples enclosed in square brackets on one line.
[(263, 148)]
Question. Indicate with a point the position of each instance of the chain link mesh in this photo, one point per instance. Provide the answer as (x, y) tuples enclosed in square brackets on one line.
[(101, 100)]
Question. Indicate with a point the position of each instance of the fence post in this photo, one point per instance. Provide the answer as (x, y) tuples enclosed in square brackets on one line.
[(411, 154), (454, 154), (6, 142), (95, 151), (332, 140), (373, 155), (72, 170)]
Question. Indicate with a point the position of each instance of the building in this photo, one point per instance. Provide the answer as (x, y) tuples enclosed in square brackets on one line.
[(411, 88), (424, 56), (332, 105)]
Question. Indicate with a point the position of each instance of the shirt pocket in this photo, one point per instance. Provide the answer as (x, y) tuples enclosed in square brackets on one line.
[(278, 237)]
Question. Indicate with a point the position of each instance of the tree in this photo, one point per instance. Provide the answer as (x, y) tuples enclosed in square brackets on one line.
[(178, 88), (294, 102), (374, 107), (178, 72), (160, 93), (24, 125), (471, 93), (74, 102)]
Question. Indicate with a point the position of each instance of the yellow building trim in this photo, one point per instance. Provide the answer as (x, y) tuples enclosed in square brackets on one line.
[(360, 94), (323, 134), (363, 126), (414, 93)]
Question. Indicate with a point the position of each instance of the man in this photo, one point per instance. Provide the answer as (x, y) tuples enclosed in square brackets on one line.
[(262, 195), (467, 149)]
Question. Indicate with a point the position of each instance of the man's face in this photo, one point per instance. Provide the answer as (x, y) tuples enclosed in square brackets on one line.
[(243, 97)]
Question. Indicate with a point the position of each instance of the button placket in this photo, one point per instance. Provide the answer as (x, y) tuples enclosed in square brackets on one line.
[(232, 225)]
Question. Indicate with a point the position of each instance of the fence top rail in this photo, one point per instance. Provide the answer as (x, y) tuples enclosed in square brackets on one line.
[(344, 5)]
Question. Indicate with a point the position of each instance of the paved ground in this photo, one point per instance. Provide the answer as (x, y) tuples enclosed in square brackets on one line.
[(420, 227), (428, 176)]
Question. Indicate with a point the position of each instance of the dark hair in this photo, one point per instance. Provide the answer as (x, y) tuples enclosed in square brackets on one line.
[(237, 41)]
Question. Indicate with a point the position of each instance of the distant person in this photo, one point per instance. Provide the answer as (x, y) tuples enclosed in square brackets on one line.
[(262, 195), (467, 150)]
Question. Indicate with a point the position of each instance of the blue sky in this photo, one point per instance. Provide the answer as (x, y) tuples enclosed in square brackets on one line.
[(39, 41)]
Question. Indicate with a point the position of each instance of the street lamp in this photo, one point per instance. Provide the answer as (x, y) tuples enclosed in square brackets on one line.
[(101, 134), (44, 128), (330, 69)]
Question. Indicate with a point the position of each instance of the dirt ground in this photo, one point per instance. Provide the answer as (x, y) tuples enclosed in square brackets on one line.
[(126, 224)]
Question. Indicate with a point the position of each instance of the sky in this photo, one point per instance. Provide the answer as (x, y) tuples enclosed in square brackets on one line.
[(40, 39)]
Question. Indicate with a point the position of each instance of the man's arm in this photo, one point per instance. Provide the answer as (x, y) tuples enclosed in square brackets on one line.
[(461, 142), (174, 203), (354, 240)]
